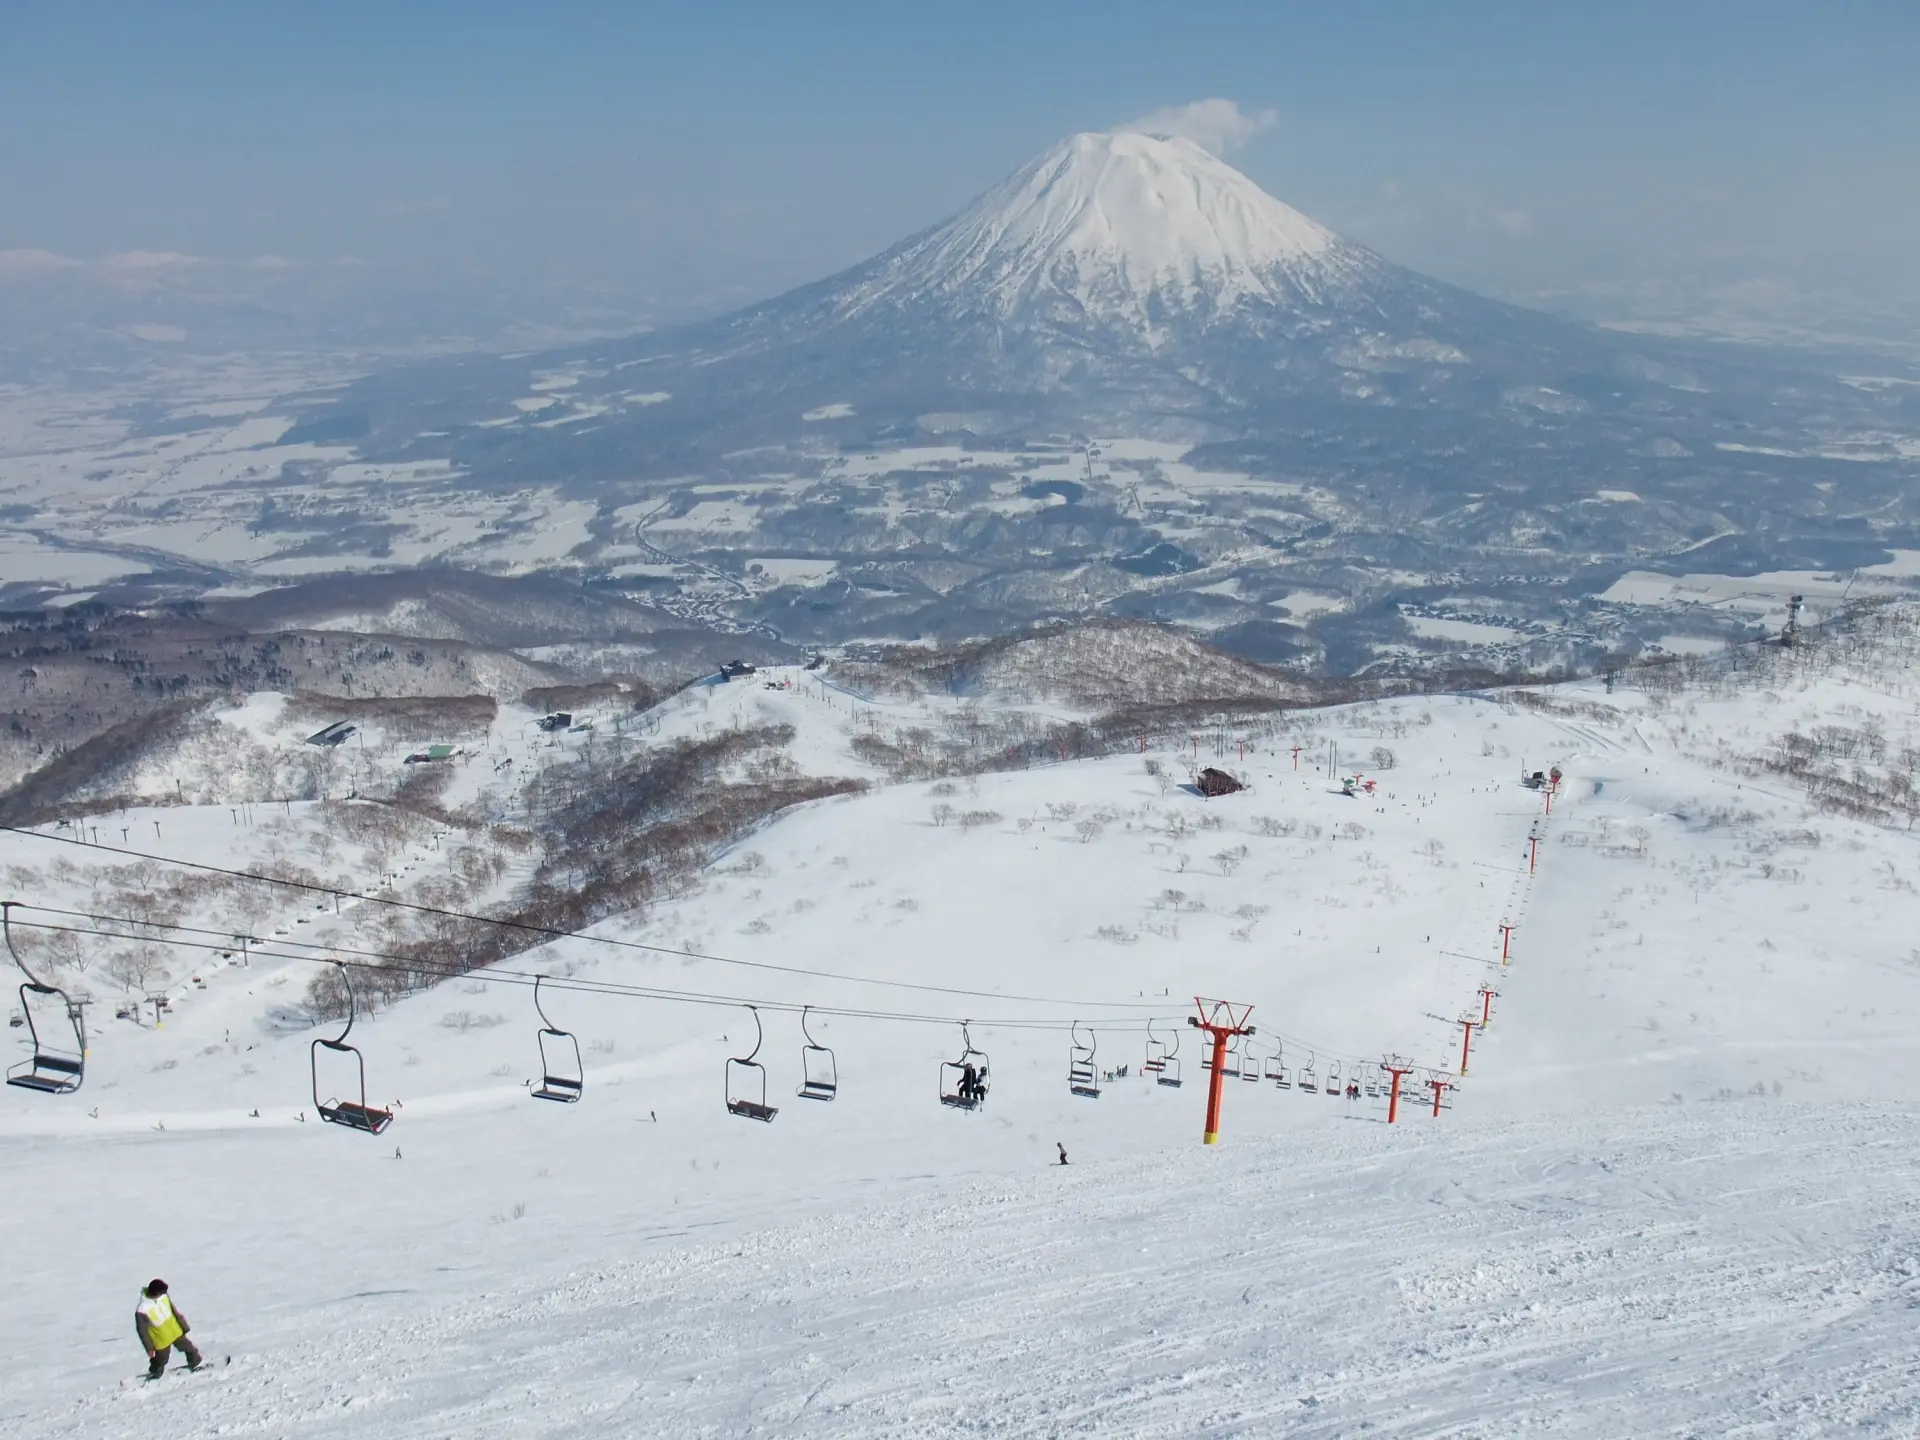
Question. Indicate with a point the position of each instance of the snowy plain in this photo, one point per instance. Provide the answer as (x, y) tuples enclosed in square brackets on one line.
[(1674, 1195)]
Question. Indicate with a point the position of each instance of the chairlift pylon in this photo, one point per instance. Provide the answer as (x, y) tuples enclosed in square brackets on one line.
[(1083, 1077), (963, 1082), (354, 1114), (570, 1082), (747, 1079), (51, 1069), (819, 1074)]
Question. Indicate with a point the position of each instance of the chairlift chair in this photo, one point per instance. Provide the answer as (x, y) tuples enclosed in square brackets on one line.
[(819, 1075), (354, 1114), (1082, 1076), (1250, 1067), (1276, 1071), (1170, 1064), (1231, 1065), (1309, 1083), (954, 1090), (747, 1080), (567, 1085), (1333, 1079), (52, 1069), (1157, 1051)]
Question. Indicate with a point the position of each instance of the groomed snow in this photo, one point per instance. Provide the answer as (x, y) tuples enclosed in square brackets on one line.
[(1674, 1195)]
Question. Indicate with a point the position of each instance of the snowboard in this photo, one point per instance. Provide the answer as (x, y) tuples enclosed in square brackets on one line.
[(202, 1367)]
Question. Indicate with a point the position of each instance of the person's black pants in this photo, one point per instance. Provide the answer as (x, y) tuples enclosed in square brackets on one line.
[(158, 1364)]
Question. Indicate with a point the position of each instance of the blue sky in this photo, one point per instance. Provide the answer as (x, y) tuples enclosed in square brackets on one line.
[(718, 149)]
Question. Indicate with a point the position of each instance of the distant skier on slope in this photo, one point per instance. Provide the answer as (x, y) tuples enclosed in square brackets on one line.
[(162, 1329)]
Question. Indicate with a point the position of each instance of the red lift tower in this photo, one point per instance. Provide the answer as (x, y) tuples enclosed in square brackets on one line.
[(1507, 927), (1467, 1022), (1396, 1066), (1440, 1088), (1223, 1020), (1487, 992)]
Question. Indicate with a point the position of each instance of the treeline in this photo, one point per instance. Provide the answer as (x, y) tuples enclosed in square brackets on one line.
[(613, 833)]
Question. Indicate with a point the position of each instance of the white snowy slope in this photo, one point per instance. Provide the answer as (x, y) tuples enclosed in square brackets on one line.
[(1675, 1194), (1122, 228)]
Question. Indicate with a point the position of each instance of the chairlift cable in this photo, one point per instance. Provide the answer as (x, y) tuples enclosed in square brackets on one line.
[(263, 951), (556, 933)]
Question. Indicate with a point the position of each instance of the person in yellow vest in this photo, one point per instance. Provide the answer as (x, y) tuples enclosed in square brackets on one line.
[(162, 1329)]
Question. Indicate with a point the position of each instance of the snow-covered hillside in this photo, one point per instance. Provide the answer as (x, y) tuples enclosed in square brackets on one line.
[(1670, 1195)]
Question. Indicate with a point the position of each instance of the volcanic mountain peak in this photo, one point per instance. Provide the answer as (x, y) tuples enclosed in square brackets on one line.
[(1122, 227)]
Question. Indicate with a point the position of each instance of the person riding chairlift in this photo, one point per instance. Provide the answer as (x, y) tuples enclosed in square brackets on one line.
[(971, 1090)]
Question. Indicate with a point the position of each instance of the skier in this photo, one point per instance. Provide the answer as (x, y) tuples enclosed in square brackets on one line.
[(1063, 1151), (162, 1329), (970, 1085)]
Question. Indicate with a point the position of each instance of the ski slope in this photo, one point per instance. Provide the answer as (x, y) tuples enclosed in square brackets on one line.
[(1670, 1196)]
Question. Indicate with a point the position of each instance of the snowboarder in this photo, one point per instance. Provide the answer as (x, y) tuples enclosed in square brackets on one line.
[(1063, 1151), (162, 1329)]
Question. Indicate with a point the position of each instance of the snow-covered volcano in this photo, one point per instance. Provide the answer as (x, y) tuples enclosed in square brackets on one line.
[(1120, 227)]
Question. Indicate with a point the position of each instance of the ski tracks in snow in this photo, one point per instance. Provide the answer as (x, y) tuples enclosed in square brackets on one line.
[(1666, 1272)]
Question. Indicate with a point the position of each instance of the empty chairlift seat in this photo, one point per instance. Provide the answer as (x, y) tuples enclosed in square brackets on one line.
[(819, 1072), (747, 1080), (354, 1114), (54, 1067), (562, 1077), (1083, 1077)]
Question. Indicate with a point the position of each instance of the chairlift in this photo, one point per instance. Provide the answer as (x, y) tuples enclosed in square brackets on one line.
[(1333, 1079), (1157, 1051), (1250, 1068), (53, 1069), (1309, 1082), (354, 1114), (819, 1075), (567, 1085), (1170, 1064), (963, 1082), (1082, 1077), (1276, 1071), (747, 1078)]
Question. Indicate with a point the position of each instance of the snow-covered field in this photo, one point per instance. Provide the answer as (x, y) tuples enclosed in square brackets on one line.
[(1674, 1194)]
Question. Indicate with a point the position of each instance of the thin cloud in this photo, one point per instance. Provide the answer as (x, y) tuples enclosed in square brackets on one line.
[(1214, 125)]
